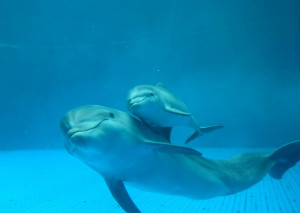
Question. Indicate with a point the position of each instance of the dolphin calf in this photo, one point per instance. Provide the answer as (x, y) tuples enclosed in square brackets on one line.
[(161, 110), (124, 150)]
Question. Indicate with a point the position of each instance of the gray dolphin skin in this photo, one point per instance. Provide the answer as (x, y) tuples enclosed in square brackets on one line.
[(157, 107), (124, 150)]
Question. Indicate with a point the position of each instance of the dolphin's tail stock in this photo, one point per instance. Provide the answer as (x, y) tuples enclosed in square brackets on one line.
[(285, 157), (201, 131)]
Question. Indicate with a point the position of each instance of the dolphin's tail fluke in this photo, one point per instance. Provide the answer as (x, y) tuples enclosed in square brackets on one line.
[(285, 157), (201, 131)]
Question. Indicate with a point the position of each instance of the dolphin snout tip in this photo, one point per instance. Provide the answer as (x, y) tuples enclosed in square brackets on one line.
[(64, 126), (130, 102), (71, 132)]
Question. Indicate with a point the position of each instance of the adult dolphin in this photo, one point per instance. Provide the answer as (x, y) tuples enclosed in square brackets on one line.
[(162, 110), (123, 150)]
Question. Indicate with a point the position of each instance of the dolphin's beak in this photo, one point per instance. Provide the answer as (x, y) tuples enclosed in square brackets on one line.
[(65, 125), (70, 128), (71, 132)]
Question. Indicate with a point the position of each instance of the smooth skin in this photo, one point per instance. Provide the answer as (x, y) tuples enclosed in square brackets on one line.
[(124, 150)]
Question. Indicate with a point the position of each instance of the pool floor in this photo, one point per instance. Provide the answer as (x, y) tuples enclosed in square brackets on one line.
[(51, 181)]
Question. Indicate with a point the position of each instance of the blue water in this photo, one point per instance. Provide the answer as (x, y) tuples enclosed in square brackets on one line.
[(51, 181), (234, 63)]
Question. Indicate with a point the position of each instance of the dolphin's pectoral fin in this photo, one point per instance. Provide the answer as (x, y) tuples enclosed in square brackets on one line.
[(121, 195), (163, 147), (177, 111), (201, 131), (163, 131), (285, 157)]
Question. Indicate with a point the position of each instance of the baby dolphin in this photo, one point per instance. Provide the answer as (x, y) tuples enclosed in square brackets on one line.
[(161, 110), (124, 150)]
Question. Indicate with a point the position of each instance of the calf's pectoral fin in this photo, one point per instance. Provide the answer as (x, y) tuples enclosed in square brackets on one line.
[(121, 195), (285, 157), (177, 111)]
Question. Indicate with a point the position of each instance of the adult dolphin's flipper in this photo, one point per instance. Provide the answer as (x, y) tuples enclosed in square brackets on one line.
[(121, 195), (201, 131), (285, 157)]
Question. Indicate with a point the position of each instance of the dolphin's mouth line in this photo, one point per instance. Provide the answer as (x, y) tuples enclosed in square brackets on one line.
[(134, 101), (72, 132)]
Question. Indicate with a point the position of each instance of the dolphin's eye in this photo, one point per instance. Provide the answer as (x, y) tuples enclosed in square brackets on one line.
[(151, 94), (112, 115)]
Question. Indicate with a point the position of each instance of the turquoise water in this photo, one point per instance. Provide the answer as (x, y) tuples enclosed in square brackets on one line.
[(233, 63), (52, 181)]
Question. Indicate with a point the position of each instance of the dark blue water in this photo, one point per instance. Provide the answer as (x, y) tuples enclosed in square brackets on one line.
[(233, 63)]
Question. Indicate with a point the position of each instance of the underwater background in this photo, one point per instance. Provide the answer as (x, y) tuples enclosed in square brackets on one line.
[(234, 63)]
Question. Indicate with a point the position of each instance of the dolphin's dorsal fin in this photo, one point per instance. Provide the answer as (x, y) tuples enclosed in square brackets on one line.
[(168, 148), (121, 195), (177, 111), (160, 84)]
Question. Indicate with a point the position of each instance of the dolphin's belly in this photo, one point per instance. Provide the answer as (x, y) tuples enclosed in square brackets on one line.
[(157, 115), (175, 174), (142, 166)]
